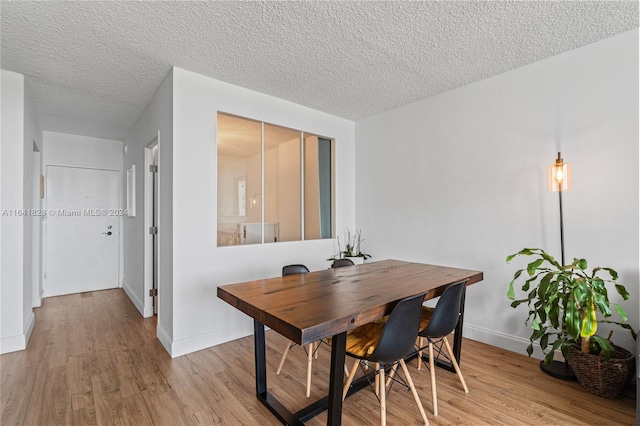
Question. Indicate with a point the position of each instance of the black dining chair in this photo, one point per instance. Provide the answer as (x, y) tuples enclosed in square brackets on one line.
[(339, 263), (311, 349), (435, 325), (294, 269), (386, 344)]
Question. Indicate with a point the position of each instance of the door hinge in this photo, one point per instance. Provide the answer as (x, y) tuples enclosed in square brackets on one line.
[(153, 292), (153, 168), (153, 230)]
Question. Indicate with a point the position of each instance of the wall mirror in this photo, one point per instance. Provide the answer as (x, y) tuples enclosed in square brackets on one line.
[(274, 183)]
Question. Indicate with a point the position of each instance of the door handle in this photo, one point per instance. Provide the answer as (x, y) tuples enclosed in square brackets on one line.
[(108, 233)]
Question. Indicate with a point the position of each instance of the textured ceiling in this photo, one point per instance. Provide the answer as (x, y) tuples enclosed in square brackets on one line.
[(94, 65)]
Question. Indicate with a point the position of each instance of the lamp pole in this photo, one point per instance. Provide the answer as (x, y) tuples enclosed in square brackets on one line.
[(561, 226), (559, 179)]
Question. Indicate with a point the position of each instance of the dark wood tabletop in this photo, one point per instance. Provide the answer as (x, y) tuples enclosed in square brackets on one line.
[(308, 307)]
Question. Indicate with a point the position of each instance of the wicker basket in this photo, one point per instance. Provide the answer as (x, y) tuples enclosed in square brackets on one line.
[(603, 378)]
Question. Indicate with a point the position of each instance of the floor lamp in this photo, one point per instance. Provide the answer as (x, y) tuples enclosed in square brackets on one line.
[(559, 180)]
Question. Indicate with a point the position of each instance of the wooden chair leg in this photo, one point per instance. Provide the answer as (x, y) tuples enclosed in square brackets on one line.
[(309, 364), (383, 402), (352, 374), (284, 356), (414, 391), (420, 345), (432, 372), (455, 365), (377, 384), (392, 373)]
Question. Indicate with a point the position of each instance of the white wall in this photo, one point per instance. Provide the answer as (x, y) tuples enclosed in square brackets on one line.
[(81, 151), (199, 267), (155, 121), (31, 194), (464, 180), (19, 130)]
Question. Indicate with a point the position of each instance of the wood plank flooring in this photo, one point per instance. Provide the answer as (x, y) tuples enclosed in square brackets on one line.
[(92, 360)]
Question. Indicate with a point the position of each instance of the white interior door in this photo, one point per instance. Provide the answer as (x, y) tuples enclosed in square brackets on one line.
[(82, 230)]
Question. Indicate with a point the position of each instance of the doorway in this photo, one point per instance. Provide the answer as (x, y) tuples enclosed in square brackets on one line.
[(82, 230), (151, 181)]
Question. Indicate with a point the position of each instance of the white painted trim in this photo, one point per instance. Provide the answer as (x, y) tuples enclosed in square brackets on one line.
[(19, 342), (132, 296), (29, 327), (185, 346), (164, 338), (120, 237), (203, 341), (501, 340), (148, 221), (147, 238), (76, 166), (12, 344)]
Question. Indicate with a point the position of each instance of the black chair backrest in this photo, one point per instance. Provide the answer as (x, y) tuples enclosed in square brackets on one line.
[(400, 331), (446, 313), (294, 269), (338, 263)]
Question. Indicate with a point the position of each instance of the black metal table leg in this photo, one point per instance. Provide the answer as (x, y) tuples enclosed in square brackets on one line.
[(268, 400), (457, 338), (336, 378), (260, 358), (333, 401)]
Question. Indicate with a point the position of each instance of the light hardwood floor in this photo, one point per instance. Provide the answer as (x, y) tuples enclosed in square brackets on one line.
[(93, 360)]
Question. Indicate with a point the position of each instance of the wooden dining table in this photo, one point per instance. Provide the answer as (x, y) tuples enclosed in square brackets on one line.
[(306, 308)]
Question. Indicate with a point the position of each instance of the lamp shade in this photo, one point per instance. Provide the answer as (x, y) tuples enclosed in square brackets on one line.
[(559, 176)]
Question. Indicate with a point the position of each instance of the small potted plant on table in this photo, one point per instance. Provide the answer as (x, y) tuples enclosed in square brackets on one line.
[(351, 249), (564, 304)]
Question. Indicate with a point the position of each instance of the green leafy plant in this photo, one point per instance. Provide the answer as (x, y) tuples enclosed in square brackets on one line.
[(352, 246), (565, 302)]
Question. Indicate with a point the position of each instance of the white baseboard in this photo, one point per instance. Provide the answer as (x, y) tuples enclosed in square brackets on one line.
[(36, 302), (29, 328), (164, 338), (12, 344), (19, 342), (504, 341), (178, 348), (132, 295), (206, 340), (148, 310)]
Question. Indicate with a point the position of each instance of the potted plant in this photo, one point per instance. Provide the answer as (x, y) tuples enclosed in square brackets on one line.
[(564, 305), (352, 248)]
